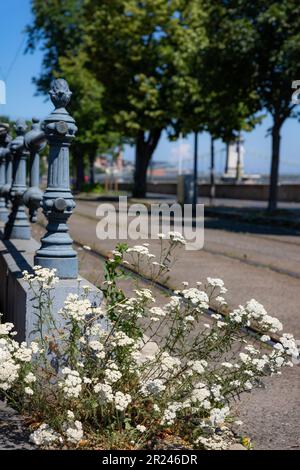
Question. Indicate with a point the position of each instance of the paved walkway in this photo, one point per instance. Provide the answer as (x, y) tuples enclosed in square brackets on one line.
[(13, 434)]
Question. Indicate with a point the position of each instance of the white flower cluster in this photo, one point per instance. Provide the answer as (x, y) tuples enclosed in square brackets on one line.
[(72, 384), (141, 250), (216, 282), (98, 348), (197, 366), (45, 277), (74, 432), (157, 312), (5, 328), (9, 369), (218, 415), (257, 312), (44, 436), (200, 394), (169, 363), (141, 428), (254, 311), (196, 297), (121, 339), (214, 442), (145, 294), (12, 357), (289, 344), (153, 387), (76, 308), (112, 373), (176, 237), (122, 400), (171, 411), (105, 393)]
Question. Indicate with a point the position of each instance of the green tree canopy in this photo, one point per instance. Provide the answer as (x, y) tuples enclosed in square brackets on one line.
[(139, 50)]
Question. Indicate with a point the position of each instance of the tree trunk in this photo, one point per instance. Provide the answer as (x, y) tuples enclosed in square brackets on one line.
[(273, 194), (92, 168), (195, 173), (143, 152), (212, 170)]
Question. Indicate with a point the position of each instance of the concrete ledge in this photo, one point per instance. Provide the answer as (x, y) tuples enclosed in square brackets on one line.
[(16, 303)]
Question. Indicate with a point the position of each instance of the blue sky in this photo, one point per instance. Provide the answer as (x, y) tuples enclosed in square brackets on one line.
[(22, 102)]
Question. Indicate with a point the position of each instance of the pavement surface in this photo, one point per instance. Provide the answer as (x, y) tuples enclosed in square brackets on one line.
[(13, 434), (255, 261)]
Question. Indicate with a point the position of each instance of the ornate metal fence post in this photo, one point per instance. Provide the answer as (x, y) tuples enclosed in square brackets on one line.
[(4, 155), (8, 179), (34, 142), (56, 249), (17, 225)]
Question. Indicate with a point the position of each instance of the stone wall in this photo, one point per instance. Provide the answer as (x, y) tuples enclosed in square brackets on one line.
[(255, 192)]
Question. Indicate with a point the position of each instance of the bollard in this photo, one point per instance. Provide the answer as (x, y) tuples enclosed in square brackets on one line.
[(17, 225), (4, 155), (58, 203), (35, 142)]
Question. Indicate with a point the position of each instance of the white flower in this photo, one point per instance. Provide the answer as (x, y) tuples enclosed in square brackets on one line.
[(153, 387), (96, 345), (70, 415), (145, 294), (5, 328), (168, 362), (170, 413), (190, 318), (238, 423), (265, 338), (45, 277), (196, 297), (28, 391), (34, 347), (112, 373), (105, 393), (121, 339), (157, 312), (74, 433), (72, 384), (200, 393), (257, 312), (215, 282), (197, 366), (289, 344), (30, 378), (244, 357), (76, 308), (228, 365), (176, 237), (248, 385), (141, 428), (122, 400), (44, 436), (217, 415)]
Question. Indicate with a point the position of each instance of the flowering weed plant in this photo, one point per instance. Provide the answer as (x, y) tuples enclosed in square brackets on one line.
[(131, 374)]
